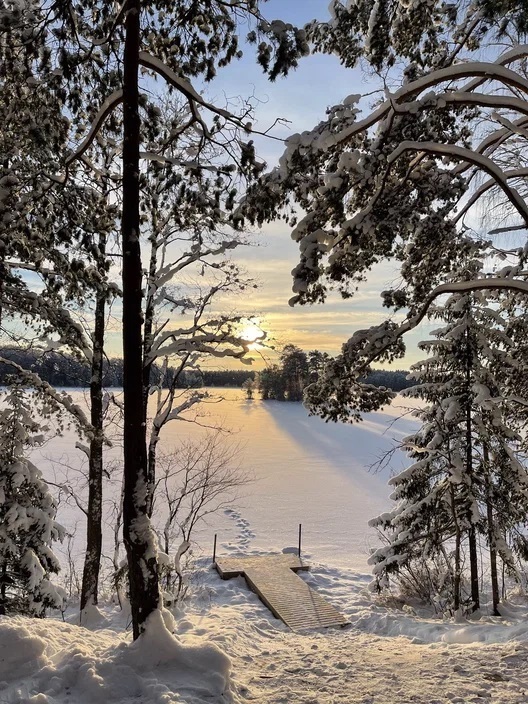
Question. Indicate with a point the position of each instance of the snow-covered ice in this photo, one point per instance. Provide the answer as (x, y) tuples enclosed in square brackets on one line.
[(303, 471)]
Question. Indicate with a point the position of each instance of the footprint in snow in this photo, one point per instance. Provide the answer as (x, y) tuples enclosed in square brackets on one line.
[(246, 535)]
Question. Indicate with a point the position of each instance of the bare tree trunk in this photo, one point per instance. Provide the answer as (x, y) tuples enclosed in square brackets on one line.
[(151, 465), (495, 595), (117, 545), (3, 589), (3, 273), (94, 516), (137, 532), (147, 365), (472, 533), (493, 562), (473, 562)]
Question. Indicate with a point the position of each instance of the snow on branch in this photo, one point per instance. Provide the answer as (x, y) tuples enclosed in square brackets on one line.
[(467, 98), (486, 186), (509, 57), (174, 342), (514, 128), (169, 412), (480, 69), (167, 272), (71, 332), (105, 110), (160, 159), (60, 399), (471, 157), (181, 84), (382, 343), (496, 139), (322, 139)]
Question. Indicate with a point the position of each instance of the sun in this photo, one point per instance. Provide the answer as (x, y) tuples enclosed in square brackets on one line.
[(253, 334)]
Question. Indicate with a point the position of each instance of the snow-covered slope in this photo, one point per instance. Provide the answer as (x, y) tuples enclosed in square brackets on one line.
[(305, 471), (51, 662)]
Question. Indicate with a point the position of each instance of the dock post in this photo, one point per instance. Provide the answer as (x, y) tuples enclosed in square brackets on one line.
[(300, 537)]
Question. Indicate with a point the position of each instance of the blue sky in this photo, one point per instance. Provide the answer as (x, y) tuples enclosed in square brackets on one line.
[(302, 98)]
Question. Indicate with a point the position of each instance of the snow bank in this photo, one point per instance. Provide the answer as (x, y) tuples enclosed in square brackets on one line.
[(394, 623), (51, 662), (390, 655), (159, 647), (348, 591)]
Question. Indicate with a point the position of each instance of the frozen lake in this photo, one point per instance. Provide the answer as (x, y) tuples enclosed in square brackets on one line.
[(304, 471)]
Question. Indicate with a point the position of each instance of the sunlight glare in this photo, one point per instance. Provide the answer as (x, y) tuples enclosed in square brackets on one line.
[(253, 334)]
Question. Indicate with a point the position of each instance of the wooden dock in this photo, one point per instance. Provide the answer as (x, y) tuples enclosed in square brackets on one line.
[(287, 596)]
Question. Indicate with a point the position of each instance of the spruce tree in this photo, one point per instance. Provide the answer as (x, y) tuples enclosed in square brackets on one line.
[(27, 514), (467, 483)]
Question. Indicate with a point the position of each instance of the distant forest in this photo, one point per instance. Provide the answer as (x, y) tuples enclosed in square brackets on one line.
[(66, 371), (395, 380)]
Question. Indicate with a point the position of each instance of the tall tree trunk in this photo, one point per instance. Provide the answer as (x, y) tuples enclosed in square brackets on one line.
[(94, 537), (117, 545), (3, 273), (137, 532), (472, 533), (151, 465), (458, 542), (148, 341), (3, 589), (473, 562), (495, 595)]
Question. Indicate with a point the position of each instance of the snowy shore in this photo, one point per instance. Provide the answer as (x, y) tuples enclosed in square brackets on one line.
[(386, 655)]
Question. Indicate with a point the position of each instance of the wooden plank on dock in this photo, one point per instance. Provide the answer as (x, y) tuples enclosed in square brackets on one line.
[(229, 567), (287, 596)]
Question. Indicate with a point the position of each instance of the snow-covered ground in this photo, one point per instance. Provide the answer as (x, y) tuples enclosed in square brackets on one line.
[(309, 472), (51, 662)]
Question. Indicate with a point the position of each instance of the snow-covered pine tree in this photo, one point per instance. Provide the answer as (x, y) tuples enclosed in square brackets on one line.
[(467, 480), (94, 56), (48, 223), (516, 386), (27, 514), (396, 183), (56, 228)]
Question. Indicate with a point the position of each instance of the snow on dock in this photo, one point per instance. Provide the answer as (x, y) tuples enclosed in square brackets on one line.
[(273, 578)]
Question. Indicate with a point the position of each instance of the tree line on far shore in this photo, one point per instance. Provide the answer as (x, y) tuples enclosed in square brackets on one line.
[(281, 382)]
